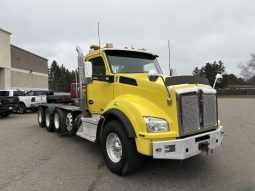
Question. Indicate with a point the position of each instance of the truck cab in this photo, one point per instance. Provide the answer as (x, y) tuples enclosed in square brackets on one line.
[(131, 108), (170, 117)]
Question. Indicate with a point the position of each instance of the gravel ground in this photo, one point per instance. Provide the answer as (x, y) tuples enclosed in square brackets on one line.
[(33, 159)]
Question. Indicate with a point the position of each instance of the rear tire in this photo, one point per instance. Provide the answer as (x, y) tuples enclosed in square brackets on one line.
[(41, 117), (77, 122), (59, 121), (49, 121), (22, 108), (119, 151), (70, 123)]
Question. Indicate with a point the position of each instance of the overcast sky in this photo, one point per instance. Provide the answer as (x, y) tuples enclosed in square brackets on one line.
[(200, 31)]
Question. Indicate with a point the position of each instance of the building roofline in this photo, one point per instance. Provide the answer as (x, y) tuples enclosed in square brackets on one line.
[(29, 52), (5, 31)]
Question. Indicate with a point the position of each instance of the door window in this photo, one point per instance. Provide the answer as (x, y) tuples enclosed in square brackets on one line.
[(98, 66), (19, 93), (4, 93)]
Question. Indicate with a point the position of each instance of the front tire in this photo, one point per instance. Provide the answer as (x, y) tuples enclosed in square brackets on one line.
[(119, 152)]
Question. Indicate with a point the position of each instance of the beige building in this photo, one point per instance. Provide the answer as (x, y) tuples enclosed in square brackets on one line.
[(19, 68), (5, 59)]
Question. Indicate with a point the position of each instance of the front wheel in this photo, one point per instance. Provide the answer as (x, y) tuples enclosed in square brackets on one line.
[(119, 151)]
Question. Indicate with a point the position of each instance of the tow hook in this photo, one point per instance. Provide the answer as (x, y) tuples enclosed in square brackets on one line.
[(204, 147)]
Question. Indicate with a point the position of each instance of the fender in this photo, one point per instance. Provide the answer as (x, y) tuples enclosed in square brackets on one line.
[(128, 127), (129, 111)]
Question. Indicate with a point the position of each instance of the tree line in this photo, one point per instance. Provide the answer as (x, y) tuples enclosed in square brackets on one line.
[(60, 78), (209, 71)]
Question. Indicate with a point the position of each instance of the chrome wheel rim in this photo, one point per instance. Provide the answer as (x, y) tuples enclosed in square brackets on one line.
[(114, 147), (47, 119), (56, 120), (69, 121)]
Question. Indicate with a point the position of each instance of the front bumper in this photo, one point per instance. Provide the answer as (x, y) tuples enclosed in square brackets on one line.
[(187, 147)]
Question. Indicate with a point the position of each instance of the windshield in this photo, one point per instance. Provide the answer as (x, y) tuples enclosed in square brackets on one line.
[(132, 62)]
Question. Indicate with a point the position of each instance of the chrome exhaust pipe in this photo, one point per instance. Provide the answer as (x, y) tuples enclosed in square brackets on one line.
[(82, 84)]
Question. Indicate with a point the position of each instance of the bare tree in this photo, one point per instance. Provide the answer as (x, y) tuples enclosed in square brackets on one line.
[(248, 68)]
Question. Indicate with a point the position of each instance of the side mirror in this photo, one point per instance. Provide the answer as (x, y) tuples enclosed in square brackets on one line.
[(153, 75), (218, 76), (88, 69)]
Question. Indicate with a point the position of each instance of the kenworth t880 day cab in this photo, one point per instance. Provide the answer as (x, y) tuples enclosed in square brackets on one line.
[(131, 109)]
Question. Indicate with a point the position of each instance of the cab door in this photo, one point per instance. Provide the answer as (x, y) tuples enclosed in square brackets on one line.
[(100, 91)]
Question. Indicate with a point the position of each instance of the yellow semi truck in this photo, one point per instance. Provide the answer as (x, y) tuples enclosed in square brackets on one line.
[(131, 109)]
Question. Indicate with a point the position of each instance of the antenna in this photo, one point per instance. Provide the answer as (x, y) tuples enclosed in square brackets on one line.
[(98, 34), (170, 72)]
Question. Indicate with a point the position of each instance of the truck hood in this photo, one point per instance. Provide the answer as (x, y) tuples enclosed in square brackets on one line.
[(170, 81), (173, 85)]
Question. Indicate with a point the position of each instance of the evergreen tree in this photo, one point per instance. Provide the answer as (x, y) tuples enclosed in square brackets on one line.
[(196, 72), (60, 78), (231, 79), (209, 71)]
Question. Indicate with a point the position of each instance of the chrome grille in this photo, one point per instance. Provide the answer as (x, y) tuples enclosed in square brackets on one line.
[(209, 110), (197, 115), (189, 112)]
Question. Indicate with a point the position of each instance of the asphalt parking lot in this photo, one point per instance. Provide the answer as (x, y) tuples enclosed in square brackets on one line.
[(33, 159)]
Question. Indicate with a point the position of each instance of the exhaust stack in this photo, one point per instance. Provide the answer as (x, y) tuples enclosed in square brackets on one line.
[(82, 83)]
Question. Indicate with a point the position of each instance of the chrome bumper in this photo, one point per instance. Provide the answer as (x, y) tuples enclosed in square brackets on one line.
[(187, 147)]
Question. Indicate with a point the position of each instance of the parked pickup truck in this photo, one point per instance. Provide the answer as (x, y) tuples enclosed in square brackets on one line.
[(7, 104), (39, 97), (25, 102)]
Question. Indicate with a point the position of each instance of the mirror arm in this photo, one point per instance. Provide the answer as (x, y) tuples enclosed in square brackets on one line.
[(216, 79), (169, 101), (215, 83)]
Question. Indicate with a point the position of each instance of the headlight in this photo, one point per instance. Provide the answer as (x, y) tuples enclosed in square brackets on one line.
[(155, 125)]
